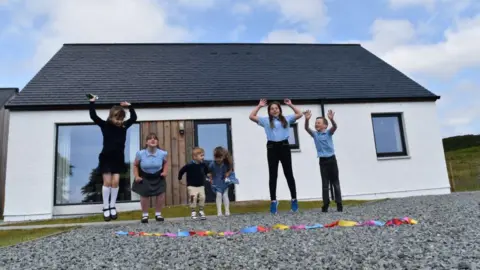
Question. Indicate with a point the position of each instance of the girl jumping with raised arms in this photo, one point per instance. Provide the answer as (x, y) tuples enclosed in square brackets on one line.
[(112, 158), (278, 148)]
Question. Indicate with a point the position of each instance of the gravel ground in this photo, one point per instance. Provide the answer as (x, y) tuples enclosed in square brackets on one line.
[(447, 237)]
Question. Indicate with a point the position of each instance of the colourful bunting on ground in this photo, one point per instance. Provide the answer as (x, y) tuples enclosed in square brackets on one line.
[(256, 229)]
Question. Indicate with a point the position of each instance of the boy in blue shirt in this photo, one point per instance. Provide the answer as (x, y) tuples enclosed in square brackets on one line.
[(326, 154)]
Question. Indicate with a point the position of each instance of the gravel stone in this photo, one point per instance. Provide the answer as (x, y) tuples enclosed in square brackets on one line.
[(446, 237)]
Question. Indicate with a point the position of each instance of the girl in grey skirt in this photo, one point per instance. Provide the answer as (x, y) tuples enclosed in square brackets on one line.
[(150, 169)]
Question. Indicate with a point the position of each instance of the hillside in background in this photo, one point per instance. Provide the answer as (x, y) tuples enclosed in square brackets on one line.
[(462, 154), (460, 142)]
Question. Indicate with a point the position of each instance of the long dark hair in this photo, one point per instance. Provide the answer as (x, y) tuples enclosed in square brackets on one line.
[(280, 116), (220, 152)]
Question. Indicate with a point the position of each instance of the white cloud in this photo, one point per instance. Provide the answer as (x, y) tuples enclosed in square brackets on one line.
[(387, 34), (396, 4), (241, 8), (289, 36), (198, 4), (311, 15), (93, 21), (460, 49)]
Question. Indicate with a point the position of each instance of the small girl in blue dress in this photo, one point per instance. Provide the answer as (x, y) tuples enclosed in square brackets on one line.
[(221, 177)]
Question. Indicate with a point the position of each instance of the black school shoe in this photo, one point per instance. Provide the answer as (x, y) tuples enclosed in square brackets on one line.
[(114, 217), (340, 207), (106, 218), (159, 218), (144, 219)]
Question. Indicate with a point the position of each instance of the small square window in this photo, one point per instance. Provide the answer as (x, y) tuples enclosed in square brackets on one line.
[(388, 134), (293, 137)]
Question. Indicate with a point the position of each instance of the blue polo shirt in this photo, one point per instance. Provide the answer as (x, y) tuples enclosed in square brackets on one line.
[(151, 162), (278, 133), (324, 143)]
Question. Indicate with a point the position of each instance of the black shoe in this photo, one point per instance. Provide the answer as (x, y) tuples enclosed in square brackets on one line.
[(159, 218), (106, 218), (114, 217), (340, 207), (325, 208), (145, 219)]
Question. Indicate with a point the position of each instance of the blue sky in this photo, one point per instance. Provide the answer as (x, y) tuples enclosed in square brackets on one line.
[(436, 42)]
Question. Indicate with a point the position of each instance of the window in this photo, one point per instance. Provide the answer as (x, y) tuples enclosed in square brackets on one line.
[(208, 135), (293, 137), (388, 134), (77, 150)]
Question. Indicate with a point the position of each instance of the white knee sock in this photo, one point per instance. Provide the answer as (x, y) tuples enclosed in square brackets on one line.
[(105, 195), (114, 194), (226, 203), (219, 203)]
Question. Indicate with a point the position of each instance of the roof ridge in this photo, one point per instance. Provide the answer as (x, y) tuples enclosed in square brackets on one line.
[(212, 44)]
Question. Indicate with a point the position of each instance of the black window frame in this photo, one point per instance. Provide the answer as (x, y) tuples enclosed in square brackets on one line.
[(399, 117), (210, 196), (296, 145), (57, 126)]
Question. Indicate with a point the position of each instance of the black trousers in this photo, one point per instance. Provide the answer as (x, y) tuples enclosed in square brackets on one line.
[(280, 152), (329, 173)]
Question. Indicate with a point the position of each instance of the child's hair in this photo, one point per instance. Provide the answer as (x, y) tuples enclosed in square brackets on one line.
[(197, 150), (325, 121), (152, 135), (220, 152), (280, 116), (116, 115)]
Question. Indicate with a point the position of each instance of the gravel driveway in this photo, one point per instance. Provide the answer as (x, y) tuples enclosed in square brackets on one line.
[(447, 237)]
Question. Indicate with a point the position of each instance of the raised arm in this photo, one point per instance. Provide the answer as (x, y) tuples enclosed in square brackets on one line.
[(330, 115), (133, 114), (308, 115), (298, 113), (253, 115), (93, 114)]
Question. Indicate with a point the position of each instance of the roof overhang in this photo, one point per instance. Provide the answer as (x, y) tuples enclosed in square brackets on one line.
[(59, 107)]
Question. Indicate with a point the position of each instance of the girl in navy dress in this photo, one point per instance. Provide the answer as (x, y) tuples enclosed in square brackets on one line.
[(220, 170), (112, 158), (150, 169), (278, 148)]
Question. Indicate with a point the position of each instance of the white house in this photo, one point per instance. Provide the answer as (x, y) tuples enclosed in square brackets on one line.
[(388, 142)]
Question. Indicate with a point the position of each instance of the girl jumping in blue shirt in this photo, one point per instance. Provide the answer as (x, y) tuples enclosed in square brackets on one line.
[(278, 148)]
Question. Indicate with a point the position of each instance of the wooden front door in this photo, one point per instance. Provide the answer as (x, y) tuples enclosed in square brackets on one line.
[(179, 147)]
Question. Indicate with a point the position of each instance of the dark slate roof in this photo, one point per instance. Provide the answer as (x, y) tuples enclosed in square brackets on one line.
[(6, 94), (194, 73)]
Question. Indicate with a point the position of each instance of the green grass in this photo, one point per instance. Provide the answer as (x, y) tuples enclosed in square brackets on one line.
[(464, 168), (184, 211), (12, 237)]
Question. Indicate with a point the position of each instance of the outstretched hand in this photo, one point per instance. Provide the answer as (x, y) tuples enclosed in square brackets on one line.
[(124, 104), (287, 101), (330, 114), (262, 103), (92, 99), (308, 114)]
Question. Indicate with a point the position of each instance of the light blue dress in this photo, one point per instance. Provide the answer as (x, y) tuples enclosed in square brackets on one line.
[(218, 176)]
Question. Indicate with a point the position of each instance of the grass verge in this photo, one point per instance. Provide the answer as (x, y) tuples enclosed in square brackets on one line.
[(464, 168), (184, 211), (13, 237)]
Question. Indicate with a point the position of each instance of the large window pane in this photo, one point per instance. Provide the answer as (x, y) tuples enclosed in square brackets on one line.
[(389, 137), (77, 180), (210, 136)]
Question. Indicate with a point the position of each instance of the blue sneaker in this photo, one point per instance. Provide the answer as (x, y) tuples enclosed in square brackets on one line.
[(294, 205), (273, 207)]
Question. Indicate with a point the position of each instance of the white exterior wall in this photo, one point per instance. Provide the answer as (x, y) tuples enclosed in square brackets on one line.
[(31, 156)]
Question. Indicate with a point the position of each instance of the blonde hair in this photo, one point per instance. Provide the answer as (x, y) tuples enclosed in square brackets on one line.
[(116, 115), (197, 151)]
